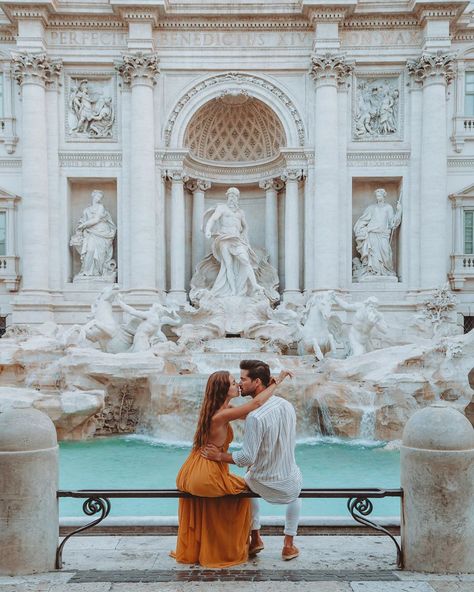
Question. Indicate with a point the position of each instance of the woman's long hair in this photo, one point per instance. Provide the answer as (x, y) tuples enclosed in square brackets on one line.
[(217, 389)]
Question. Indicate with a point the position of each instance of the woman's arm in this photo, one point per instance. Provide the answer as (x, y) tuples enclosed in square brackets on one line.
[(240, 412)]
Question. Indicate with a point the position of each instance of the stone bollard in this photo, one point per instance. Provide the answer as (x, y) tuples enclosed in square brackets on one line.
[(437, 477), (29, 523)]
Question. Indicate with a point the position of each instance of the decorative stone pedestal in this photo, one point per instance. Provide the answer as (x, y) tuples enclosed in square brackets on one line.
[(29, 523), (437, 477)]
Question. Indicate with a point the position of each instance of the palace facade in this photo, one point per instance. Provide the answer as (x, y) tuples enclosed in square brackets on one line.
[(306, 107)]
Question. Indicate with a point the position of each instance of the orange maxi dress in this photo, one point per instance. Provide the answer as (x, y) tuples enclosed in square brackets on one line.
[(212, 532)]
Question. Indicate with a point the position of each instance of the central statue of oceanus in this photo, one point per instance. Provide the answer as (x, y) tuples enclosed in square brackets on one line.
[(233, 268)]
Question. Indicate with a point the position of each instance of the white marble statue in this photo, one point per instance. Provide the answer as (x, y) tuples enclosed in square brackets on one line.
[(102, 326), (149, 332), (317, 335), (377, 109), (373, 234), (366, 321), (94, 113), (230, 246), (93, 239), (233, 268)]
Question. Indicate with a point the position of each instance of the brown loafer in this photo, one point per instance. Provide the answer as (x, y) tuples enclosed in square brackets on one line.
[(255, 550), (289, 553)]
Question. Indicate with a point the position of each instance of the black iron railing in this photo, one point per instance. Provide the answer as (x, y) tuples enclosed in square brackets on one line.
[(359, 505)]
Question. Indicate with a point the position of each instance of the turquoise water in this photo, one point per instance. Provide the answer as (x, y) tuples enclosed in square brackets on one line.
[(135, 462)]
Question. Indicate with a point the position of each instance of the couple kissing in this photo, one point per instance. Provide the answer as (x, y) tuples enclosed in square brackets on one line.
[(213, 526)]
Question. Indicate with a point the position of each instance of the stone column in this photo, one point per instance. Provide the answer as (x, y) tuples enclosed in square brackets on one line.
[(411, 207), (32, 72), (29, 522), (177, 237), (57, 253), (139, 70), (292, 233), (437, 477), (309, 227), (271, 187), (328, 69), (434, 71), (198, 188)]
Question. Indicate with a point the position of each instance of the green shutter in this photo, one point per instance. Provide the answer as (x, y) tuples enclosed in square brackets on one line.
[(469, 232)]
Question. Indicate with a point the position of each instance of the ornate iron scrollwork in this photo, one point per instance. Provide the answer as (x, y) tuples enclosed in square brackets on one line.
[(359, 507), (92, 506)]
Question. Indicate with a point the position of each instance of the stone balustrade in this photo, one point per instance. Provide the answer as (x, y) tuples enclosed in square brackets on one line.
[(9, 272)]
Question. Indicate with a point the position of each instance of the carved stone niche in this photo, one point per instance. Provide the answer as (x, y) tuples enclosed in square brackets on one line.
[(80, 191), (90, 107), (377, 108), (375, 250)]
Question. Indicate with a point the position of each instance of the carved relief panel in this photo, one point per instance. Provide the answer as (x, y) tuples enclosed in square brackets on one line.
[(90, 107), (377, 112)]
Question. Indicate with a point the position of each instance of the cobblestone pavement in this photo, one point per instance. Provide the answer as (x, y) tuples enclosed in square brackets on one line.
[(326, 564)]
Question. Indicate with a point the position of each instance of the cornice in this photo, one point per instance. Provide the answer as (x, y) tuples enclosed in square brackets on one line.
[(379, 158), (7, 163), (6, 36), (454, 163), (295, 22), (90, 159), (40, 10), (400, 21), (137, 14), (432, 10), (84, 22)]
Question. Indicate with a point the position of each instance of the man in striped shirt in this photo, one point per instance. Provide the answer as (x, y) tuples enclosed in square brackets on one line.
[(268, 451)]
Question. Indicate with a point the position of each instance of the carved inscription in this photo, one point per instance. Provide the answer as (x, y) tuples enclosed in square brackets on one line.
[(240, 39), (377, 38), (234, 39), (87, 38)]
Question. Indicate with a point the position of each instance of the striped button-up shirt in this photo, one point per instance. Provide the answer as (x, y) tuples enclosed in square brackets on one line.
[(269, 451)]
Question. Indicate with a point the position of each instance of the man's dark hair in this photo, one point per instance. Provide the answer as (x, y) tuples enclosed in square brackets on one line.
[(257, 369)]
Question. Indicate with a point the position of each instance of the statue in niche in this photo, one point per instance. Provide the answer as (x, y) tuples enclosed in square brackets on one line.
[(233, 268), (373, 234), (93, 239), (365, 323), (149, 332), (377, 109), (94, 113)]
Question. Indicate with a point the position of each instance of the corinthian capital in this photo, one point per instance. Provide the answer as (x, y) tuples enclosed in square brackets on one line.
[(267, 184), (138, 67), (176, 176), (35, 68), (198, 185), (431, 67), (292, 175), (330, 66)]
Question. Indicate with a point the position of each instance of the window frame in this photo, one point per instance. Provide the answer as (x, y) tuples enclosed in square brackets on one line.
[(468, 74), (468, 210)]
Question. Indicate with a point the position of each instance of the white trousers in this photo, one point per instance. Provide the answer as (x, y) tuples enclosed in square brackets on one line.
[(292, 516)]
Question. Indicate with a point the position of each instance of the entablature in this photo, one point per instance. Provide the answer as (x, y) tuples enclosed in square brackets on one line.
[(243, 14)]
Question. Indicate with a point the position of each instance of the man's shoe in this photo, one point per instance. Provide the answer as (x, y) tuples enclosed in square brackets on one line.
[(256, 549), (289, 553)]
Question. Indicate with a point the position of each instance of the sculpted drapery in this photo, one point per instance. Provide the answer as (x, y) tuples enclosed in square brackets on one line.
[(94, 237), (373, 231)]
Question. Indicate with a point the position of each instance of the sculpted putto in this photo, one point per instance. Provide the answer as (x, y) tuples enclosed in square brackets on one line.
[(93, 239), (233, 268), (373, 234)]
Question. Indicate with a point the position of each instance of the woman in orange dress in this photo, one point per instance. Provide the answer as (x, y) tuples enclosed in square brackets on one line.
[(214, 530)]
